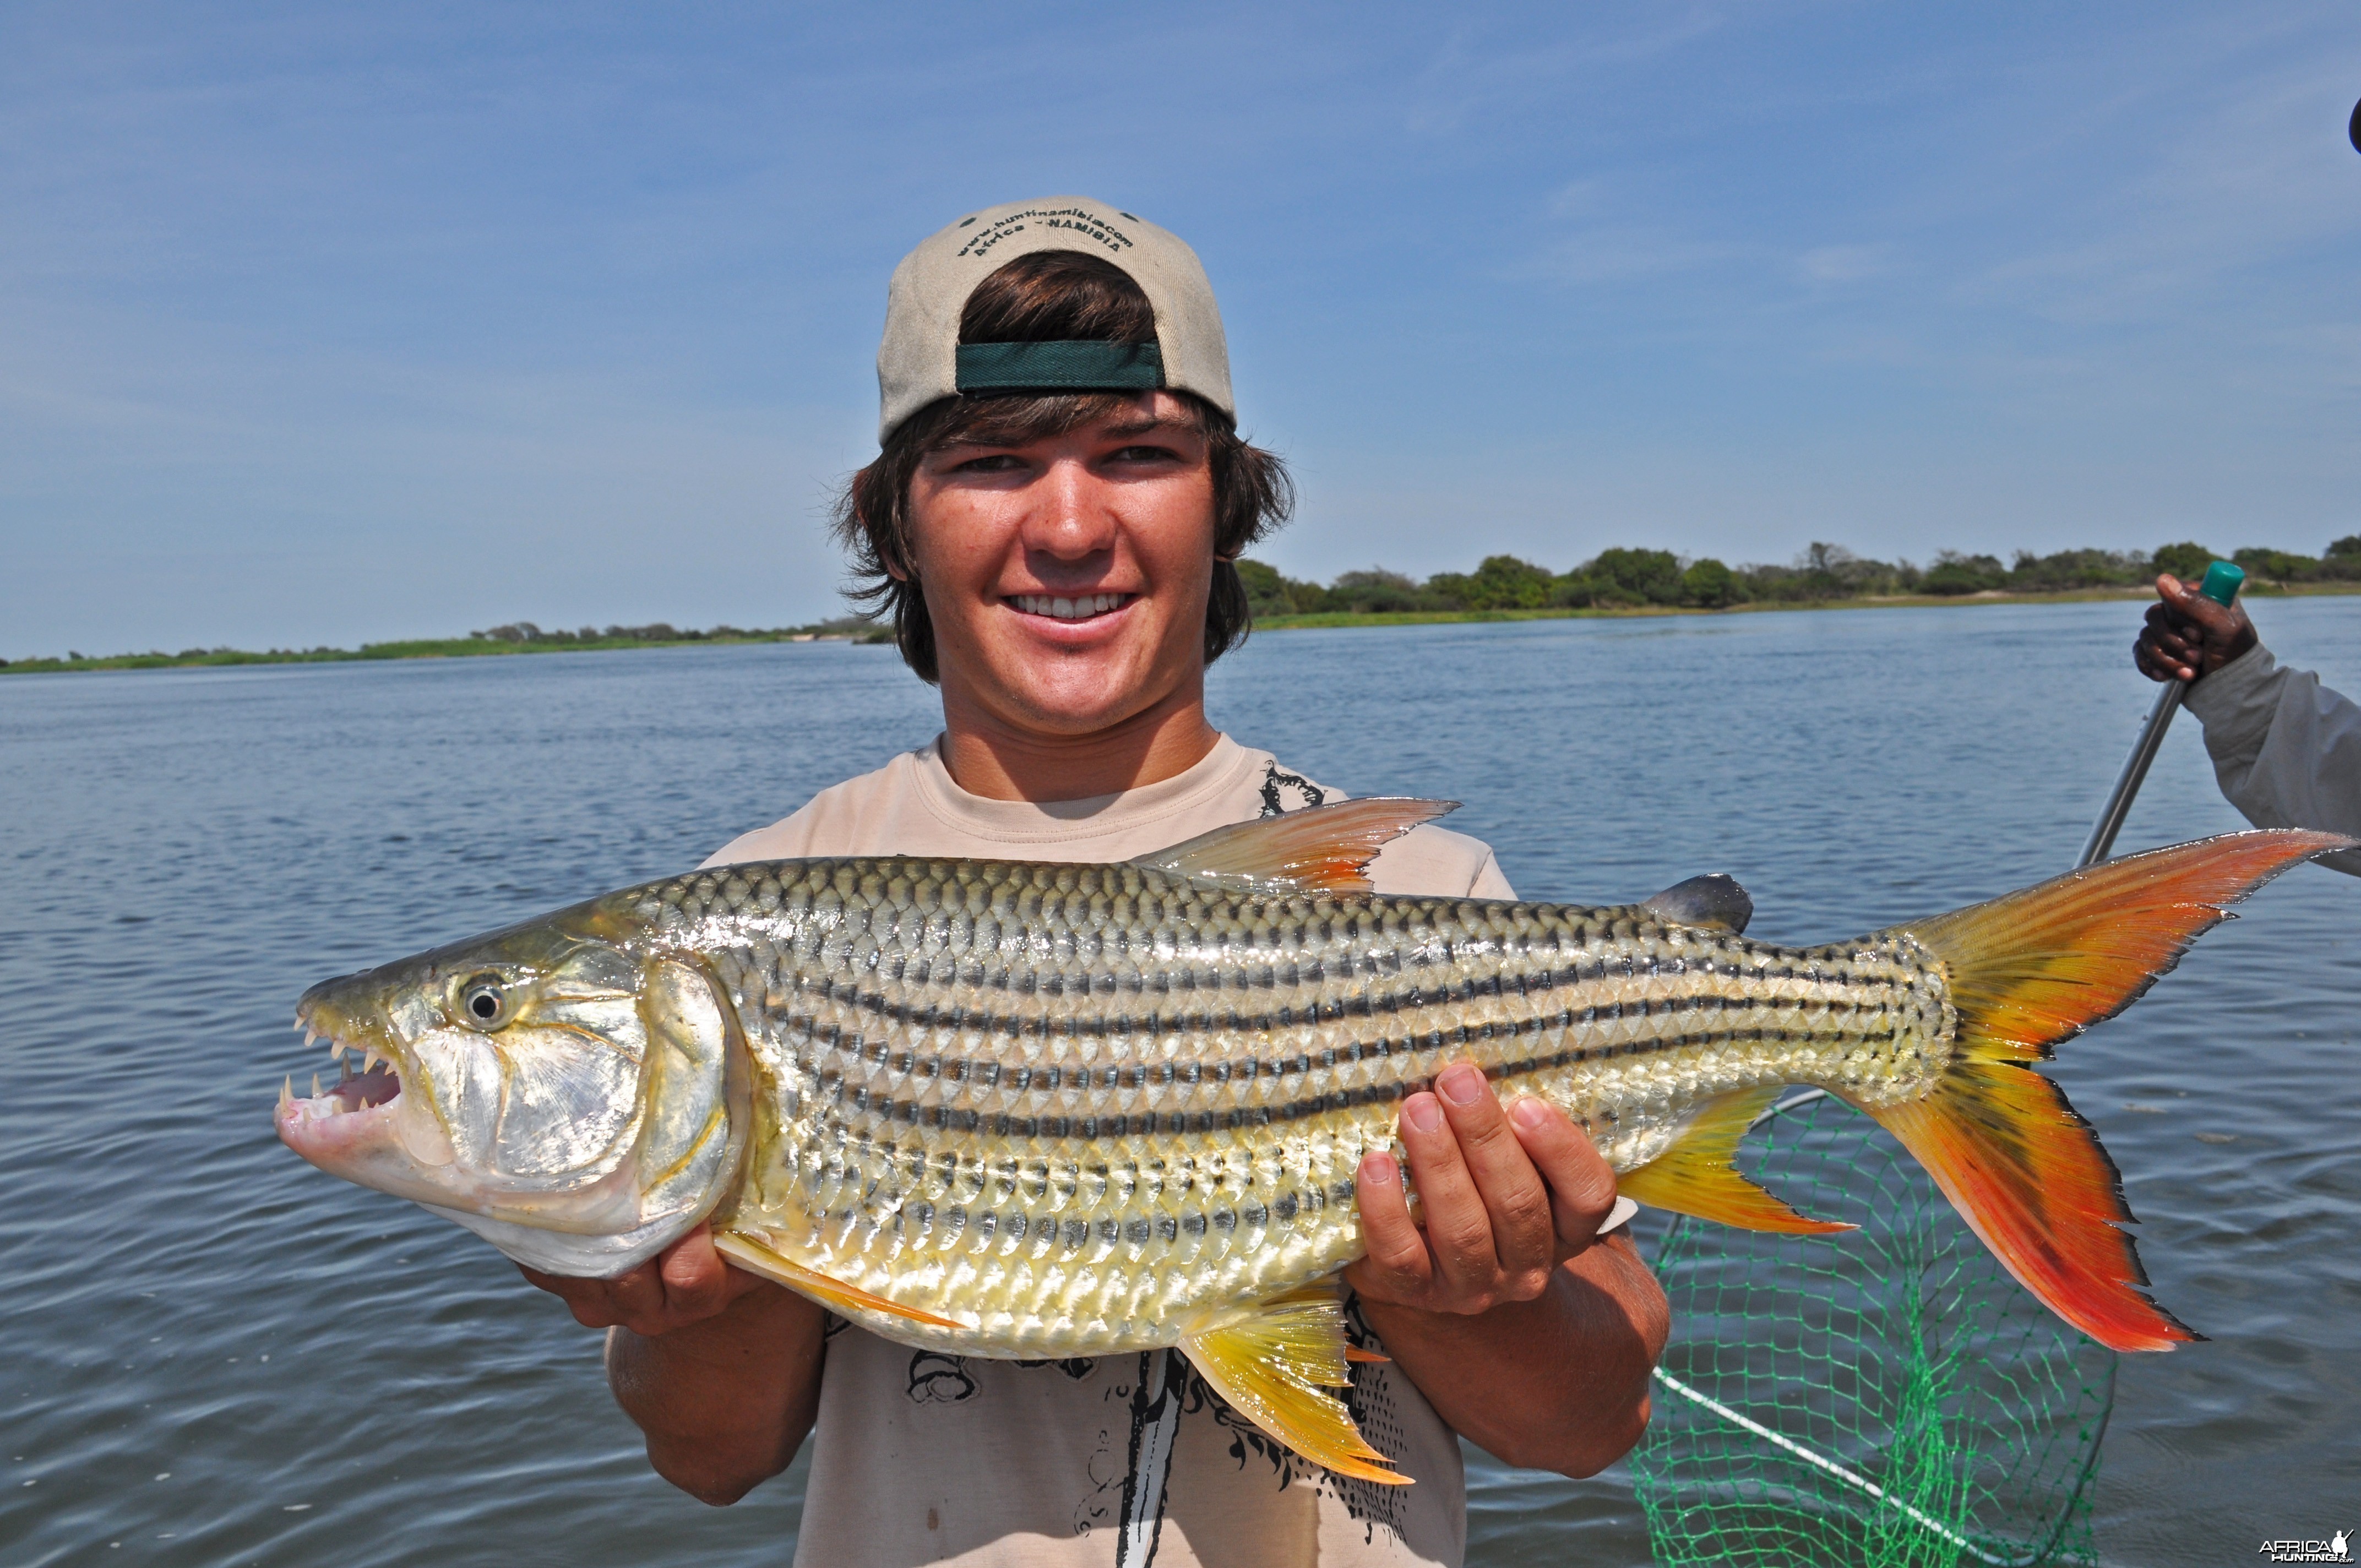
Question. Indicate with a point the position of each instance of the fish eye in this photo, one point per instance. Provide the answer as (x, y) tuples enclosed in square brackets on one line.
[(484, 1002)]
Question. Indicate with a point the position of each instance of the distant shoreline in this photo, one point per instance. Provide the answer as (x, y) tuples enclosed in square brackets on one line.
[(420, 648), (474, 647), (2142, 595)]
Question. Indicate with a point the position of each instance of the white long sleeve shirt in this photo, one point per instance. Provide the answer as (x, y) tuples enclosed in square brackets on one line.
[(2286, 750)]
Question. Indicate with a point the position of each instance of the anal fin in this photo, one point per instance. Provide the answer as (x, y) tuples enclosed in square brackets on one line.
[(1695, 1176), (755, 1257), (1275, 1368)]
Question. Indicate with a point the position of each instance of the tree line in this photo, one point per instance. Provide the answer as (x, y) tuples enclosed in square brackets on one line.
[(526, 633), (1623, 578)]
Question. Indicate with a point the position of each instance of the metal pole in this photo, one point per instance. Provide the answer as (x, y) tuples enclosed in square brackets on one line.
[(2221, 583)]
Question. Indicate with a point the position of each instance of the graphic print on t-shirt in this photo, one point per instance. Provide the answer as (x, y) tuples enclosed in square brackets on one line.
[(1123, 1488), (1276, 786)]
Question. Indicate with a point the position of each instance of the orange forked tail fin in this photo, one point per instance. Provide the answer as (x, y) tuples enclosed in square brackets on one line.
[(2026, 972)]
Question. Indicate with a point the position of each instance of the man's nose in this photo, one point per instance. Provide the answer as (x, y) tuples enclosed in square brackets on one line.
[(1072, 517)]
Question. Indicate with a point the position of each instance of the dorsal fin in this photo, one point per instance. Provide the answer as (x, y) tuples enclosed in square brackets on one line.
[(1713, 903), (1319, 848)]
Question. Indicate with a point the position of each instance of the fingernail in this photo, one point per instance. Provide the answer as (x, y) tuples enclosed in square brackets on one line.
[(1422, 1114), (1460, 1084), (1378, 1170), (1530, 1114)]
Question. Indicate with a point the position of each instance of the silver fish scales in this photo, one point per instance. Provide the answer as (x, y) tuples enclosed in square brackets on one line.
[(1074, 1106)]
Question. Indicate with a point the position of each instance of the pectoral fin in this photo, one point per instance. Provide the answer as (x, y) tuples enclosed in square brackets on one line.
[(1274, 1366), (1320, 847), (1696, 1176), (755, 1257)]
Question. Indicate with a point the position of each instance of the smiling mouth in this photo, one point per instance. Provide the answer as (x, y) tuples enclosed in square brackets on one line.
[(1083, 606)]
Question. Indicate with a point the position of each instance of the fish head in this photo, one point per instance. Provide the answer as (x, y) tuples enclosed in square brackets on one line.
[(566, 1089)]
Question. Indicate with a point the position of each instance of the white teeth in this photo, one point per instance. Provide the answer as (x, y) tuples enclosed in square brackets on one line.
[(310, 1034), (1068, 609), (287, 1092), (316, 1086), (369, 1061)]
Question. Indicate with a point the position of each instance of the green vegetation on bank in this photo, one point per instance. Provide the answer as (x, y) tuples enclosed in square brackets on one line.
[(519, 637), (1825, 574), (1501, 587)]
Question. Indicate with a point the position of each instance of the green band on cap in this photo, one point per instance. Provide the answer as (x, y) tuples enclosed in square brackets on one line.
[(1059, 366)]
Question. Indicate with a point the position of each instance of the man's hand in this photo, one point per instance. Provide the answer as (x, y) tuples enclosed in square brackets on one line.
[(686, 1283), (718, 1367), (1527, 1330), (2189, 635), (1508, 1193)]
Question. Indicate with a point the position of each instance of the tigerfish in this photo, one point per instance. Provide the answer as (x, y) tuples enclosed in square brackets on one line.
[(1036, 1111)]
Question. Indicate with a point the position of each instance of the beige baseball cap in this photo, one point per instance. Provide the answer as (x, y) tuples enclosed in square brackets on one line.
[(921, 359)]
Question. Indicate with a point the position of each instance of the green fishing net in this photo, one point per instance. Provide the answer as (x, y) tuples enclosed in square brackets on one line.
[(1884, 1397)]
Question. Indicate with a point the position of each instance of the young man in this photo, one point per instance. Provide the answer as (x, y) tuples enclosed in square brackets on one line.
[(2286, 750), (1050, 522)]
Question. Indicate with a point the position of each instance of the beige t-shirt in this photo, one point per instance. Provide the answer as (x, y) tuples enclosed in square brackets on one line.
[(926, 1458)]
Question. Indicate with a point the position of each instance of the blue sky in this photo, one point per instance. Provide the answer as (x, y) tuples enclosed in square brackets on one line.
[(325, 324)]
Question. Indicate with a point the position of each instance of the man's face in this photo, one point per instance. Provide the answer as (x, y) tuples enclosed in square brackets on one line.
[(1067, 578)]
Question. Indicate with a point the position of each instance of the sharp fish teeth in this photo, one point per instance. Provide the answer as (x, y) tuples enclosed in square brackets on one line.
[(287, 1092), (316, 1086), (310, 1034), (369, 1061)]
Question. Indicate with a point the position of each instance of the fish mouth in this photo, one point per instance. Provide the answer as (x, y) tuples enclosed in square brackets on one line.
[(358, 1118)]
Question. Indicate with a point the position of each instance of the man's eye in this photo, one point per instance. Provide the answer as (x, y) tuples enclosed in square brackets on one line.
[(1144, 455), (997, 462)]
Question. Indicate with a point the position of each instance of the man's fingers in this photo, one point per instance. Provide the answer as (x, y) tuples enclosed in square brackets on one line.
[(1524, 1234), (1398, 1267), (2216, 622), (2209, 635), (1581, 1182), (595, 1303), (695, 1275), (2159, 661), (1458, 1226)]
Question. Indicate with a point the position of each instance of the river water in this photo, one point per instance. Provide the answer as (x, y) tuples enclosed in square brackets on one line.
[(211, 1354)]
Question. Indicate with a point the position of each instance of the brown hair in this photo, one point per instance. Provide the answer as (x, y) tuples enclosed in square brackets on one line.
[(1050, 296)]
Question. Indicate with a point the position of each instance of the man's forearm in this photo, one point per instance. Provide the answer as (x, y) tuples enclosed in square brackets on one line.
[(1556, 1382), (724, 1403)]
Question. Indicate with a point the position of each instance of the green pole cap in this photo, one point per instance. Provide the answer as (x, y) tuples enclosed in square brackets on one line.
[(2223, 581)]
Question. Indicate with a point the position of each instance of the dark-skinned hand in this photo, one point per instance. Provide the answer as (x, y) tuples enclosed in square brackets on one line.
[(2188, 635), (1506, 1194), (686, 1283)]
